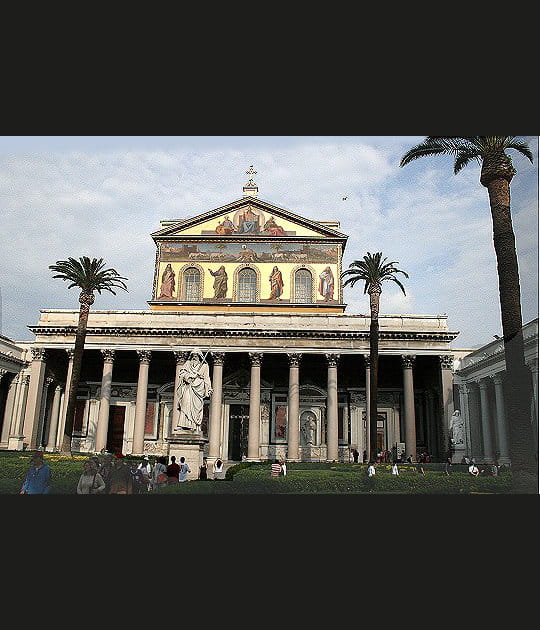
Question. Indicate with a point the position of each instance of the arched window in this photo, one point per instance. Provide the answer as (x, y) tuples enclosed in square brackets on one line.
[(303, 282), (247, 285), (192, 285)]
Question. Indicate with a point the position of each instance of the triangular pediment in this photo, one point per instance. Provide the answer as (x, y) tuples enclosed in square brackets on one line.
[(248, 217)]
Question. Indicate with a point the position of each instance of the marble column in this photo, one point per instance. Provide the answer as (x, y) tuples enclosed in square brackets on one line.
[(464, 390), (216, 401), (254, 406), (35, 396), (62, 424), (16, 438), (407, 362), (293, 409), (368, 408), (8, 409), (104, 400), (534, 374), (502, 429), (486, 426), (332, 446), (55, 412), (181, 357), (140, 403), (447, 363)]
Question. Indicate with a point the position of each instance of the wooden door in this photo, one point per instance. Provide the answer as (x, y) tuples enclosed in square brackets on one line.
[(115, 433)]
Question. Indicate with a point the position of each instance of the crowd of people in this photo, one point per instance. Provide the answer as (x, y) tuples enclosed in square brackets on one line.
[(115, 474)]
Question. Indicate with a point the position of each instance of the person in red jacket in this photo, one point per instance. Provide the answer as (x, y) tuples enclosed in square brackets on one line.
[(173, 470)]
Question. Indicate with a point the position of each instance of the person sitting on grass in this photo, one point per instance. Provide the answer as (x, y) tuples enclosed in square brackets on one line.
[(371, 470), (395, 470), (473, 470)]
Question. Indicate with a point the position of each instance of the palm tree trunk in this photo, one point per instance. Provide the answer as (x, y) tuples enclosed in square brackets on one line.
[(518, 399), (86, 300), (374, 295)]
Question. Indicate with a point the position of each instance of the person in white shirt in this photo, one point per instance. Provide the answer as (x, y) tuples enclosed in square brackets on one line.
[(473, 470), (218, 469), (371, 470), (184, 470), (146, 468), (395, 470)]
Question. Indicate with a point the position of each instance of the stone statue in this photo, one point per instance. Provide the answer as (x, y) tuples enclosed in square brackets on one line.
[(309, 428), (167, 283), (457, 428), (194, 387)]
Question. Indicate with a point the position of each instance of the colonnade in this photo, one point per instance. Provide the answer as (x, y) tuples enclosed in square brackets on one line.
[(485, 419), (32, 395)]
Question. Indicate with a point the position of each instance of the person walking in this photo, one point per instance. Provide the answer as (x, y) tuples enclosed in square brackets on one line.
[(173, 471), (371, 470), (159, 474), (395, 469), (38, 477), (90, 482), (184, 470), (218, 470), (355, 455), (448, 466)]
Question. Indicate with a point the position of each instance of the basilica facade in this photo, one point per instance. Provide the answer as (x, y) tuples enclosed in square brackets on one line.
[(257, 289)]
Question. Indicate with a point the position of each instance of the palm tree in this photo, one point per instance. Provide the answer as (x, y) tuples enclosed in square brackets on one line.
[(496, 174), (373, 270), (89, 276)]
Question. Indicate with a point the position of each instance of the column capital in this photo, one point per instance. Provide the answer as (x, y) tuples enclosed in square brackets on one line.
[(108, 356), (49, 381), (2, 373), (332, 359), (446, 361), (59, 387), (39, 354), (464, 388), (145, 356), (256, 358), (218, 358), (294, 359), (26, 380), (407, 361), (181, 356), (497, 378), (482, 383), (70, 353), (367, 361)]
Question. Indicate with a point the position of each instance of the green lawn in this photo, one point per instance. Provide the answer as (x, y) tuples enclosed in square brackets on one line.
[(302, 478)]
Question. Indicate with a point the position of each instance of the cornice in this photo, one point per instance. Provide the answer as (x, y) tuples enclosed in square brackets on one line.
[(11, 359), (117, 331)]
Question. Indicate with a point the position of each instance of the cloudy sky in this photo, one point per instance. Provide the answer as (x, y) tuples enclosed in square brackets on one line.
[(103, 196)]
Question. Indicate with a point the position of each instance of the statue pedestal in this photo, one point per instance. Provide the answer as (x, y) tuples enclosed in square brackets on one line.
[(190, 446), (457, 454)]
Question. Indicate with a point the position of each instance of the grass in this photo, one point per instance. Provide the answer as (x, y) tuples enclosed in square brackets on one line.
[(254, 478)]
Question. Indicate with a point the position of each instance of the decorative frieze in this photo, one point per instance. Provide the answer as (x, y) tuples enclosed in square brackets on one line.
[(108, 356)]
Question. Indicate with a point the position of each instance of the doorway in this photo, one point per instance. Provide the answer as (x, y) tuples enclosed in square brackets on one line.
[(115, 432), (238, 431)]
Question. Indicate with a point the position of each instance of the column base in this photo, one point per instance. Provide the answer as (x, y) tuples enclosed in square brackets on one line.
[(15, 444)]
